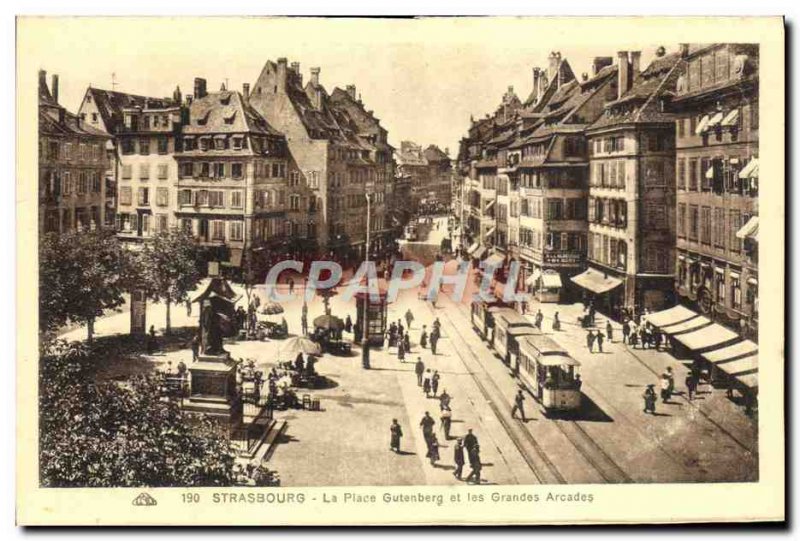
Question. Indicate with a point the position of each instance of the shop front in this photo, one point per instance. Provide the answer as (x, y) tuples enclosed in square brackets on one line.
[(602, 289)]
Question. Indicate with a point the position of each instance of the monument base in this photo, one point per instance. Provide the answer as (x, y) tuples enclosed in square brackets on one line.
[(213, 390)]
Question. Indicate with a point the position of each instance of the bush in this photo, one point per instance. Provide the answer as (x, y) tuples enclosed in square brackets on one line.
[(120, 435)]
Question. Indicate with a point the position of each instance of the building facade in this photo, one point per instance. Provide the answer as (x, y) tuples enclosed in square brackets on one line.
[(76, 183), (716, 124)]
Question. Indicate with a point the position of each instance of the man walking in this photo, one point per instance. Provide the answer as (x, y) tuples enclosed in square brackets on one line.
[(590, 340), (195, 347), (434, 339), (626, 330), (519, 402), (427, 423), (539, 319), (409, 318), (609, 331), (458, 459), (474, 464), (419, 368), (446, 418), (599, 341), (691, 385), (470, 440), (435, 383), (396, 434)]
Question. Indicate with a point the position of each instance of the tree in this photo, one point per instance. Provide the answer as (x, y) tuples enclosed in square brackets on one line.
[(81, 275), (114, 434), (169, 268)]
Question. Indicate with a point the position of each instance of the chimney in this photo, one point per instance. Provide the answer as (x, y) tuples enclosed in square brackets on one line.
[(79, 119), (281, 74), (246, 91), (622, 73), (54, 89), (684, 49), (552, 70), (351, 91), (176, 95), (601, 62), (200, 88), (296, 67), (636, 57), (42, 78), (222, 88), (189, 98), (315, 77), (536, 79)]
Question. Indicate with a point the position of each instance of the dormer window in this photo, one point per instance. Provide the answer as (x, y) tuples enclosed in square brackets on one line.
[(225, 100)]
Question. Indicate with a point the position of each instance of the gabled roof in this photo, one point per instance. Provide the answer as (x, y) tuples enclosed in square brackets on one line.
[(225, 112), (55, 120), (110, 104), (435, 154)]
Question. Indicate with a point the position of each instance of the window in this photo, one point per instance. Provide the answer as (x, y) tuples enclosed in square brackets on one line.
[(736, 221), (237, 143), (216, 198), (236, 170), (219, 170), (187, 169), (719, 227), (144, 147), (236, 199), (736, 292), (144, 197), (188, 144), (294, 178), (555, 209), (205, 169), (144, 171), (145, 224), (163, 145), (162, 197), (82, 184), (693, 221), (218, 230), (186, 225), (184, 197), (705, 231), (201, 198), (163, 171), (681, 174), (127, 146), (219, 143), (719, 285), (694, 174), (204, 143), (237, 230), (294, 202), (125, 195), (682, 220), (161, 223), (96, 183)]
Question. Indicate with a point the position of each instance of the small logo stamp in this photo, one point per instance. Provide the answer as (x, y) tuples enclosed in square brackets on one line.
[(144, 499)]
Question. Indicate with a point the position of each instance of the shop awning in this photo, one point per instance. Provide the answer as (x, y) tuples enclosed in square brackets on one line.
[(477, 254), (687, 326), (670, 316), (741, 366), (495, 260), (748, 380), (595, 281), (750, 170), (474, 246), (531, 280), (707, 337), (551, 280), (731, 118), (702, 126), (739, 349), (710, 173), (714, 120), (749, 230)]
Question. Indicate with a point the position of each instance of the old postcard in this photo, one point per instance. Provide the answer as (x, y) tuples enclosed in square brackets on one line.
[(376, 272)]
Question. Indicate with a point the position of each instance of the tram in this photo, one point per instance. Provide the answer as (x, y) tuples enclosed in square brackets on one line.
[(509, 328), (410, 232), (550, 371), (482, 316)]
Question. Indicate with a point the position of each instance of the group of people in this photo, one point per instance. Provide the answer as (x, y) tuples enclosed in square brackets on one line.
[(434, 336), (644, 335), (667, 384)]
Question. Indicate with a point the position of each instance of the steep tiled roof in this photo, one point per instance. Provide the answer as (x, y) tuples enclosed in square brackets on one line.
[(110, 104), (55, 120), (435, 154), (225, 112)]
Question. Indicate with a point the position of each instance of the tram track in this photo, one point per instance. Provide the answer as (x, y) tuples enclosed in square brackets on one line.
[(586, 445)]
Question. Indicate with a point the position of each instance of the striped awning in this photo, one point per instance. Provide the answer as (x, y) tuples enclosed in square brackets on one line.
[(749, 230), (750, 170)]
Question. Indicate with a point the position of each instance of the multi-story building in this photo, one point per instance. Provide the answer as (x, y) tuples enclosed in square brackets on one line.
[(440, 171), (75, 181), (716, 119), (233, 174), (631, 208), (145, 132), (334, 161)]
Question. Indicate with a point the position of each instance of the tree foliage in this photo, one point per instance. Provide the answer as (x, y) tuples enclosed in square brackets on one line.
[(169, 267), (81, 275), (109, 434)]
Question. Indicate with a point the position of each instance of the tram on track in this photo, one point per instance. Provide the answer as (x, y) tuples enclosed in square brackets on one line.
[(509, 328), (482, 316), (551, 372)]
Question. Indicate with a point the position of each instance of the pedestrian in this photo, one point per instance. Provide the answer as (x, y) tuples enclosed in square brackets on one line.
[(633, 338), (519, 402), (396, 433), (539, 319), (401, 352), (578, 382), (649, 399), (298, 362), (400, 328), (419, 368), (435, 382), (666, 383), (434, 339), (304, 324), (423, 338), (433, 449), (444, 400), (474, 454), (556, 322), (348, 324), (446, 418), (188, 308), (151, 340), (427, 423), (626, 329), (291, 286), (426, 383), (470, 440), (437, 326), (409, 318), (407, 342), (590, 340), (657, 339), (599, 339), (458, 459), (609, 331), (195, 347), (691, 385), (592, 312)]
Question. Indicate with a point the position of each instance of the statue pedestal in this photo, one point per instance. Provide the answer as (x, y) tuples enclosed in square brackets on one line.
[(213, 390)]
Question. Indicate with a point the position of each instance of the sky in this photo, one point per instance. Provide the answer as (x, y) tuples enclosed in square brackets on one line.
[(422, 78)]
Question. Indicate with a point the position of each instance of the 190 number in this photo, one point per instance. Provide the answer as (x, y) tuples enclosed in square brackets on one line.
[(191, 497)]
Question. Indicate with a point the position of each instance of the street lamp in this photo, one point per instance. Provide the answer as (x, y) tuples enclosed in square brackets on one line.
[(365, 334)]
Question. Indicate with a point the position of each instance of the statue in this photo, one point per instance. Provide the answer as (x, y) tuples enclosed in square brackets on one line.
[(217, 316)]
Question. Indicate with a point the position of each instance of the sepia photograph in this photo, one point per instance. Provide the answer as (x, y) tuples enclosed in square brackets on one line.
[(354, 262)]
